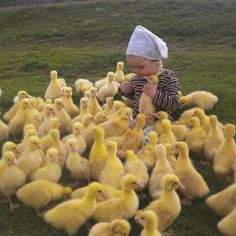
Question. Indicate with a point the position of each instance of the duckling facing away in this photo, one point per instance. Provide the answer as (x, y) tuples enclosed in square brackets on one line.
[(148, 219), (116, 227), (71, 214)]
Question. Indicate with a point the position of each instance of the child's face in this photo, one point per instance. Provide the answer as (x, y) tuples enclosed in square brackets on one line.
[(142, 66)]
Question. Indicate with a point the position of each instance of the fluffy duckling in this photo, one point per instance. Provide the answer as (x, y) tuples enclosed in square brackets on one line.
[(134, 166), (9, 146), (146, 105), (123, 207), (82, 85), (113, 170), (78, 134), (117, 126), (223, 202), (148, 219), (135, 139), (119, 74), (214, 139), (98, 153), (162, 167), (129, 76), (13, 110), (70, 107), (39, 193), (78, 166), (167, 136), (227, 224), (116, 227), (148, 152), (31, 159), (101, 82), (53, 90), (94, 105), (108, 106), (4, 131), (226, 154), (180, 131), (204, 119), (51, 171), (16, 124), (71, 214), (166, 212), (170, 155), (62, 115), (195, 185), (109, 89), (196, 136), (203, 99), (160, 115), (46, 116), (12, 177), (186, 116)]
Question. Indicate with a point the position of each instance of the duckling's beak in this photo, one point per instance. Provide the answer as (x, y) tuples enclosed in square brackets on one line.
[(181, 186), (137, 218), (104, 195)]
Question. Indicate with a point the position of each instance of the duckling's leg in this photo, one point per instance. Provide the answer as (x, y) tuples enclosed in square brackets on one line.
[(187, 201), (168, 233), (12, 205)]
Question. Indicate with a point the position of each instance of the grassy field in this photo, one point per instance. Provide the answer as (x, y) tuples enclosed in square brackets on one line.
[(86, 39)]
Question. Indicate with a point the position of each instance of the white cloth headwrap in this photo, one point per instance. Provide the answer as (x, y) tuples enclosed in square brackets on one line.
[(146, 44)]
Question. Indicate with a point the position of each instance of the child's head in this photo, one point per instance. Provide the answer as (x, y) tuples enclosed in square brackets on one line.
[(145, 52)]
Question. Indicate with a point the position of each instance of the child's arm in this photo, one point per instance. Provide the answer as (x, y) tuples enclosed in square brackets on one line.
[(126, 90)]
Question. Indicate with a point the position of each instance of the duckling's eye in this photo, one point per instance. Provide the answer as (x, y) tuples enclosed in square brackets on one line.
[(142, 218), (133, 183), (99, 191)]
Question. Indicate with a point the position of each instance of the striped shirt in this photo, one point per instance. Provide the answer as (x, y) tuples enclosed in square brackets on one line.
[(166, 98)]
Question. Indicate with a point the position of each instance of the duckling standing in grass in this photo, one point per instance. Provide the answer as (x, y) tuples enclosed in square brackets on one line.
[(166, 213), (71, 214), (116, 227), (12, 177), (94, 105), (162, 167), (119, 74), (4, 131), (195, 185), (167, 136), (226, 154), (39, 193), (113, 170), (148, 219), (123, 207), (81, 86)]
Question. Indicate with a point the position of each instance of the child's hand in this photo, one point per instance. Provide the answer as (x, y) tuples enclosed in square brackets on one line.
[(150, 90), (126, 87)]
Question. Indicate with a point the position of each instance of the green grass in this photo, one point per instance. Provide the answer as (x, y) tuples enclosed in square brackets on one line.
[(86, 39)]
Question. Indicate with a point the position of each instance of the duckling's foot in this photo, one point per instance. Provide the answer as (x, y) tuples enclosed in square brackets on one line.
[(14, 206), (186, 202), (168, 234), (39, 213)]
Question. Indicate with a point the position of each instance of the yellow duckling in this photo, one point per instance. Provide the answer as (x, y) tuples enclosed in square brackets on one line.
[(9, 146), (167, 136), (135, 139), (148, 152), (226, 154), (53, 90), (4, 131), (166, 212), (170, 155), (116, 227), (204, 119), (51, 171), (62, 115), (108, 106), (203, 99), (117, 126), (113, 170), (16, 124), (13, 110), (134, 166), (160, 115), (119, 74), (148, 219), (12, 177), (31, 159), (195, 185), (146, 105), (196, 136), (54, 123), (81, 86), (94, 105), (123, 207), (162, 167), (78, 166), (101, 82), (214, 139), (70, 107), (109, 89), (39, 193), (71, 214), (227, 224), (98, 153), (186, 116), (129, 76)]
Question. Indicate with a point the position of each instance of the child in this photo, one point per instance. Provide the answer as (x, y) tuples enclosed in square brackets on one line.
[(144, 54)]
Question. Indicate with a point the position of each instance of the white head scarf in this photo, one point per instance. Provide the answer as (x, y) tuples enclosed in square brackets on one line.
[(146, 44)]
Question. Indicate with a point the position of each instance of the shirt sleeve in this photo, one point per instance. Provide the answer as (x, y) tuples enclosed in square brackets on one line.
[(167, 98), (127, 95)]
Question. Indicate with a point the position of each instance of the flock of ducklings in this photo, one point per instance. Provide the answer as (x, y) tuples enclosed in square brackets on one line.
[(96, 144)]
